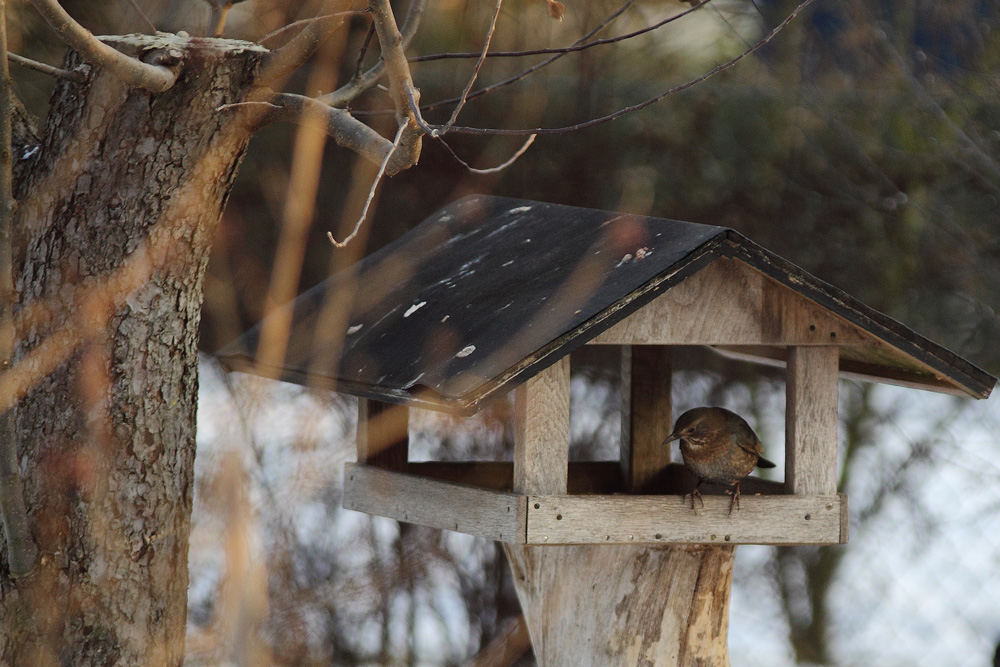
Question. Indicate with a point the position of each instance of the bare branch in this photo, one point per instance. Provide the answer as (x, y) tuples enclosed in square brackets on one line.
[(289, 57), (347, 131), (531, 70), (401, 88), (360, 84), (642, 105), (492, 170), (475, 74), (22, 553), (578, 45), (371, 192), (153, 78), (72, 75)]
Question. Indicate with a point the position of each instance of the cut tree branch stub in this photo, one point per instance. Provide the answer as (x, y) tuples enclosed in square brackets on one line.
[(154, 78)]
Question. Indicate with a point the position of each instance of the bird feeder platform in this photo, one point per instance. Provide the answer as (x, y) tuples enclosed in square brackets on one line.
[(492, 294)]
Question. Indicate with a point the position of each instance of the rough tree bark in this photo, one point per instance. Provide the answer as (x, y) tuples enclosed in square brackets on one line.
[(117, 208)]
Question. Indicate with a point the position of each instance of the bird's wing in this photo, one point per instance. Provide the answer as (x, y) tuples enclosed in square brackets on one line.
[(744, 436)]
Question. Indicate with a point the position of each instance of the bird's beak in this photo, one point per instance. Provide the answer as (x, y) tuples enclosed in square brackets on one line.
[(670, 438)]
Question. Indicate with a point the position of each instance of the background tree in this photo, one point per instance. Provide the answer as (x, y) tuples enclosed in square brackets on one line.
[(859, 145)]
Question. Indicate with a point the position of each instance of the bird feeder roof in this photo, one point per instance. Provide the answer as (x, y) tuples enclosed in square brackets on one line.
[(489, 291)]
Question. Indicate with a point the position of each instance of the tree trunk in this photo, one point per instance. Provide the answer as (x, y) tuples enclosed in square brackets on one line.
[(118, 206)]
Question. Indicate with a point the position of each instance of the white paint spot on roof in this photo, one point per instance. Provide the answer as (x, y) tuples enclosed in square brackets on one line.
[(355, 329), (445, 318), (414, 308), (466, 351), (520, 209)]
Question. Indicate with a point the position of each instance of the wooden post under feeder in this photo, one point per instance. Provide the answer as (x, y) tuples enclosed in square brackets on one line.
[(611, 564)]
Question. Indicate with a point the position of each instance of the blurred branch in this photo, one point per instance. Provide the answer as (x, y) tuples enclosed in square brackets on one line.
[(576, 46), (293, 54), (138, 10), (22, 553), (518, 77), (360, 83), (72, 75), (304, 22), (154, 78), (475, 74), (642, 105), (506, 648)]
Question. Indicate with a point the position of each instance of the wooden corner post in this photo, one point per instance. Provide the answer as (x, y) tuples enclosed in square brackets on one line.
[(811, 420), (383, 434), (615, 605)]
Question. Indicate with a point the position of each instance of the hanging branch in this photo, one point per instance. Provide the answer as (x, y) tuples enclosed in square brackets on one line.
[(371, 192), (491, 170), (154, 78), (22, 553)]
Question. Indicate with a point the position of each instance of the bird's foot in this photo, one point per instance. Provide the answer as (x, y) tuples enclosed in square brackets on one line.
[(694, 494), (735, 502)]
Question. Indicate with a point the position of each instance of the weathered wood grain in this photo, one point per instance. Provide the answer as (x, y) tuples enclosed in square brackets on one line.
[(623, 606), (541, 431), (730, 303), (383, 434), (811, 420), (495, 515), (623, 519)]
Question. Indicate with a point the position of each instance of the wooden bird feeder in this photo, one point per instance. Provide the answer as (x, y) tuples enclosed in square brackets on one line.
[(492, 294)]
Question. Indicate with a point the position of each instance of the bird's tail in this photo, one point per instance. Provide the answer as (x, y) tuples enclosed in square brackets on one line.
[(764, 463)]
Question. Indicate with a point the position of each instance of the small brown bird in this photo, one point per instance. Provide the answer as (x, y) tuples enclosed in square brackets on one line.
[(718, 446)]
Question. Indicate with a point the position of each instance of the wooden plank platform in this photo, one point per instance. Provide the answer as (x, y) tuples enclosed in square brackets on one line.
[(785, 520), (496, 515), (769, 518)]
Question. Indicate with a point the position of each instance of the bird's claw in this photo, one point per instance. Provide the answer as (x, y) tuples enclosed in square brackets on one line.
[(735, 502), (694, 494)]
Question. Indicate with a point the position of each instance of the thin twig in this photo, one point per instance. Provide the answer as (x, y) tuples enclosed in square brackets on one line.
[(491, 170), (475, 75), (142, 14), (517, 77), (153, 78), (22, 553), (573, 48), (642, 105), (364, 51), (371, 192), (72, 75)]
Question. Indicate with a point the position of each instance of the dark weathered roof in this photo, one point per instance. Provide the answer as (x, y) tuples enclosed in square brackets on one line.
[(489, 291)]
